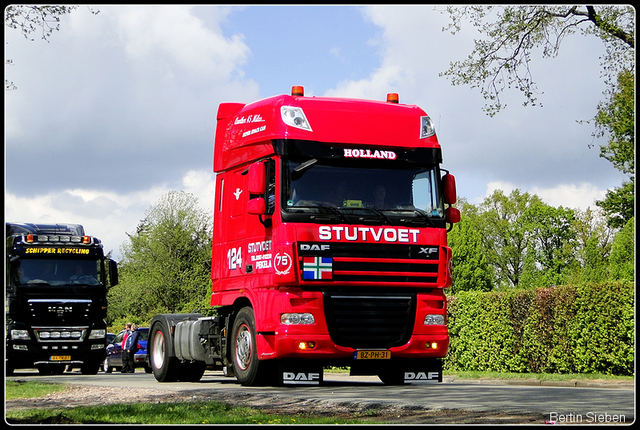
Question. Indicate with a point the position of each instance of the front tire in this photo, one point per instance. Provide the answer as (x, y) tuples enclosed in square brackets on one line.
[(90, 368), (164, 366), (246, 366)]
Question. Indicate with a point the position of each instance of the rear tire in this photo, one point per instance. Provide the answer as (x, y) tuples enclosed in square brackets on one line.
[(165, 367), (191, 372)]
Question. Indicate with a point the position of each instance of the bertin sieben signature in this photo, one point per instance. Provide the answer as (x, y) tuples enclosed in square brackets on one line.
[(586, 418)]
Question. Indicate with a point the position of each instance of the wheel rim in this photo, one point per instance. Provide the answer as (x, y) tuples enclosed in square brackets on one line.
[(157, 356), (244, 347)]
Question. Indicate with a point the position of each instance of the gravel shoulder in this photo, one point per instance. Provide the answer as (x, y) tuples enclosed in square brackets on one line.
[(82, 395)]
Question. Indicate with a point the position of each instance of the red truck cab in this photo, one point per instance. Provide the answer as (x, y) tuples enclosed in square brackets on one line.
[(329, 246)]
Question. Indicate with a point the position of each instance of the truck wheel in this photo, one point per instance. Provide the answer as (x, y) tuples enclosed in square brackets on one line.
[(392, 377), (244, 355), (191, 372), (90, 368), (164, 367)]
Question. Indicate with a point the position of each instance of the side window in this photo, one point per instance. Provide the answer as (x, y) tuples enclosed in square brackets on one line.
[(271, 187)]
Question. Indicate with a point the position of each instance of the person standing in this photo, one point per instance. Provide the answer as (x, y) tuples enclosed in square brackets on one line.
[(130, 348), (126, 366)]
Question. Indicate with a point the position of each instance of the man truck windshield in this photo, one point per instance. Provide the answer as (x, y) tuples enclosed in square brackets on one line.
[(318, 186), (34, 272)]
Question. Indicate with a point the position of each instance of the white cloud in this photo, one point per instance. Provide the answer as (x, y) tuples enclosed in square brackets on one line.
[(175, 34), (580, 196)]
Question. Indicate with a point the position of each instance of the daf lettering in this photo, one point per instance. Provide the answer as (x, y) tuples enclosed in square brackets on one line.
[(421, 376), (299, 377), (314, 247)]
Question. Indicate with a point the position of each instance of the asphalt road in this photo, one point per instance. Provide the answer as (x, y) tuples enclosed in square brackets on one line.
[(556, 403)]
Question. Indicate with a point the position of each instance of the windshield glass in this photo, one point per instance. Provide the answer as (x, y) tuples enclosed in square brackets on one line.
[(318, 186), (57, 272)]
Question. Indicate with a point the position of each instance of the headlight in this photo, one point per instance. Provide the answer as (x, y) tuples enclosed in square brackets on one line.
[(291, 319), (427, 129), (98, 334), (20, 335), (294, 117), (434, 319)]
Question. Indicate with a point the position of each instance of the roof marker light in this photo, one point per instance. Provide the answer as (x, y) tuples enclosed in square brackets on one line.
[(393, 98), (297, 90)]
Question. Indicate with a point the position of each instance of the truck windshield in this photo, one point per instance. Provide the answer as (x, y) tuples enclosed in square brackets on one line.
[(361, 193), (38, 272)]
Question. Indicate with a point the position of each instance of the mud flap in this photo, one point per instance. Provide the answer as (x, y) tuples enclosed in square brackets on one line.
[(420, 374), (300, 373)]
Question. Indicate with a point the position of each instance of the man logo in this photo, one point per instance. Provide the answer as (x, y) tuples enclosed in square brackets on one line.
[(301, 378)]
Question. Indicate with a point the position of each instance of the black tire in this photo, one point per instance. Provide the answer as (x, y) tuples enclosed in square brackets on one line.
[(191, 372), (165, 367), (392, 377), (90, 368), (147, 369), (244, 355)]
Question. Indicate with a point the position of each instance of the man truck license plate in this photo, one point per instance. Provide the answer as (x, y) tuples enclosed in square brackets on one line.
[(60, 357), (373, 355)]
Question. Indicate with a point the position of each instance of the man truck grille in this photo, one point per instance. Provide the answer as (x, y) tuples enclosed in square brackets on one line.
[(369, 320)]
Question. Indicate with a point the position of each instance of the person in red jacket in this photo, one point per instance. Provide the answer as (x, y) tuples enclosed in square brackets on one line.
[(126, 365)]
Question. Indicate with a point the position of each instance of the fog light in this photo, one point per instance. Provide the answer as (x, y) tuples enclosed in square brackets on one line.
[(306, 345), (431, 345)]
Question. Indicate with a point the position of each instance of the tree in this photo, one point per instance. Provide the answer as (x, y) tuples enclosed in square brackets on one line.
[(592, 247), (617, 119), (553, 240), (513, 32), (471, 271), (622, 260), (166, 265), (28, 19)]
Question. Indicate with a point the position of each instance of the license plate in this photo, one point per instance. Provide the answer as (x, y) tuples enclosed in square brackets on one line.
[(60, 358), (372, 355)]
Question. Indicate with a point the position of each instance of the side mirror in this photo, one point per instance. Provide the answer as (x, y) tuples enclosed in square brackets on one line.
[(452, 215), (449, 188), (256, 206), (257, 178), (113, 273)]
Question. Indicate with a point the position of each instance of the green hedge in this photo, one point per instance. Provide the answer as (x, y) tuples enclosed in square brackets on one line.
[(565, 329)]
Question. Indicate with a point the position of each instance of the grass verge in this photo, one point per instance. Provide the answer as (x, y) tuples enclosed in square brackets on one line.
[(145, 413)]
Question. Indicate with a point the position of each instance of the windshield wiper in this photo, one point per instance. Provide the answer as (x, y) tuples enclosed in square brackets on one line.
[(421, 214), (378, 212), (325, 210)]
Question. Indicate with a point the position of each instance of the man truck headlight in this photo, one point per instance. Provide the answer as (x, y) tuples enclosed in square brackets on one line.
[(294, 319), (98, 334), (20, 335), (434, 319)]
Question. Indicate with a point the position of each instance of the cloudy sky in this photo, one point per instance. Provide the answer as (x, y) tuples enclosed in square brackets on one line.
[(119, 108)]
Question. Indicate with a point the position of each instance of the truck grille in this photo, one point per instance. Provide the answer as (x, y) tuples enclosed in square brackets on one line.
[(376, 263), (59, 311), (369, 320)]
